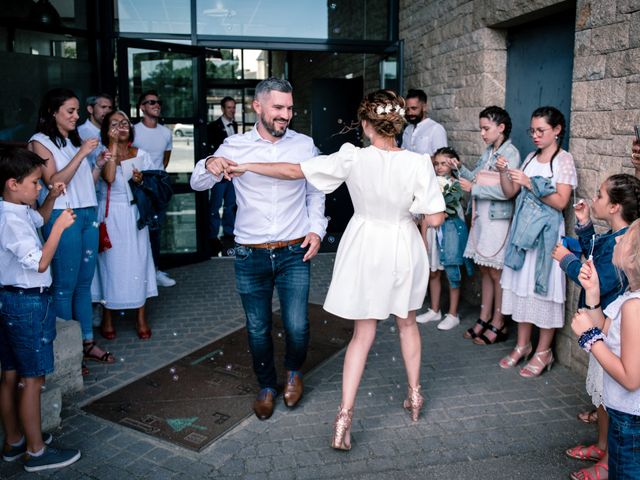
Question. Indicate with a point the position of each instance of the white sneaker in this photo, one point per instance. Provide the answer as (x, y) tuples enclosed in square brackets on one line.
[(449, 322), (164, 280), (429, 316)]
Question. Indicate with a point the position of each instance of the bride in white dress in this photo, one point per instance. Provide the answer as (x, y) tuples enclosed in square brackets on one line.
[(381, 266)]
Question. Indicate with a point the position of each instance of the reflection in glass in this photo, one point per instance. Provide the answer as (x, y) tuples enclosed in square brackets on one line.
[(224, 63), (178, 234), (181, 160), (353, 19), (255, 64), (168, 73), (153, 16)]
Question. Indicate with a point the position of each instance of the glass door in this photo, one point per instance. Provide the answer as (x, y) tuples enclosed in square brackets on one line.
[(174, 72)]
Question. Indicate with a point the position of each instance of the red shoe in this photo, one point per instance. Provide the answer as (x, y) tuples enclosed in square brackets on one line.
[(143, 334)]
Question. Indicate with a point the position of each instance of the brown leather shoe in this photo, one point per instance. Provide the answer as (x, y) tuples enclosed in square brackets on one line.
[(264, 403), (293, 389)]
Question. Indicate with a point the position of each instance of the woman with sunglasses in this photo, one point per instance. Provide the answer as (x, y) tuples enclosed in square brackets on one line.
[(73, 266), (125, 271)]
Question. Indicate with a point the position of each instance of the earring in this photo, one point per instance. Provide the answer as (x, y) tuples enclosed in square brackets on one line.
[(556, 137)]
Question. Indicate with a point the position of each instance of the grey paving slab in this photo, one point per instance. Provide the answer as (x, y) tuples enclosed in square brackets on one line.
[(479, 421)]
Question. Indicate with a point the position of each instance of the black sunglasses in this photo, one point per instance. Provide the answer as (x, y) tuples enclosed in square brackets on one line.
[(152, 102)]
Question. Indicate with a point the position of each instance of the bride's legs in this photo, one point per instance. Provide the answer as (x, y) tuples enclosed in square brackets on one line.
[(411, 346), (364, 333)]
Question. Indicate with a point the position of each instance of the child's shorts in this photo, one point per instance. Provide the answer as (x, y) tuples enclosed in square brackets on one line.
[(27, 331)]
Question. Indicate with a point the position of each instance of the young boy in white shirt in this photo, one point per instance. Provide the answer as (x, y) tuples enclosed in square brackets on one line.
[(27, 316)]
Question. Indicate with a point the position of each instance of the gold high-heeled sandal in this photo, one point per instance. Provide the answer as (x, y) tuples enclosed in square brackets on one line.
[(342, 429), (531, 369), (522, 352), (414, 402)]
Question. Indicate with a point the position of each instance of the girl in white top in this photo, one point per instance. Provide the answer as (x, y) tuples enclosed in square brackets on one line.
[(519, 298), (613, 338), (58, 142)]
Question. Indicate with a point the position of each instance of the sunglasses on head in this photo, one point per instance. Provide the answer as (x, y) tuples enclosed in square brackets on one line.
[(152, 102)]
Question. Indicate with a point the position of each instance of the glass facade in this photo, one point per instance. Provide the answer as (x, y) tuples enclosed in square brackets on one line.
[(153, 16)]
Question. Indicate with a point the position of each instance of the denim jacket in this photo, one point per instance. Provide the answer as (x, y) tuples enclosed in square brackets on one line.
[(612, 282), (500, 207), (151, 196), (452, 240), (535, 225)]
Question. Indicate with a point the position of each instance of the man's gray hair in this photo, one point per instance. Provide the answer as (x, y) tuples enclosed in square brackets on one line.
[(93, 99), (267, 85)]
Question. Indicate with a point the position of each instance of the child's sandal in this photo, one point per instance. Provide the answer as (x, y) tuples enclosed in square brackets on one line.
[(599, 471), (590, 453)]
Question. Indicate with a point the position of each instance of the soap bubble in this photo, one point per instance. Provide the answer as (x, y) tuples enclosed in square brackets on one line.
[(331, 239), (172, 370), (392, 329), (229, 367), (175, 378)]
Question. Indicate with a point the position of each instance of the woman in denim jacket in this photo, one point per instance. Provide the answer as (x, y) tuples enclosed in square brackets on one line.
[(520, 299), (491, 217), (617, 202)]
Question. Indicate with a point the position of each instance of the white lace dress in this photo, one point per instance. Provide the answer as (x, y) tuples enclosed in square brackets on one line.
[(518, 297)]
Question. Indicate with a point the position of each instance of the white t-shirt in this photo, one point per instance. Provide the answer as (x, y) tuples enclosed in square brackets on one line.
[(81, 190), (426, 137), (86, 131), (20, 247), (155, 141)]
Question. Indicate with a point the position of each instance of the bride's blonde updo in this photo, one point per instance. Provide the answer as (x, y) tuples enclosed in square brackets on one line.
[(384, 111)]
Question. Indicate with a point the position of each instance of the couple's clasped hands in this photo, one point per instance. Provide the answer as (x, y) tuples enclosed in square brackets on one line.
[(222, 166)]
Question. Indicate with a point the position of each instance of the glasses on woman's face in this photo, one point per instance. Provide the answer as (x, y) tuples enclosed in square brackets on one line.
[(536, 132), (121, 124)]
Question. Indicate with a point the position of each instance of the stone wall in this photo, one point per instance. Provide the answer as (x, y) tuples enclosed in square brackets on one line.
[(456, 50)]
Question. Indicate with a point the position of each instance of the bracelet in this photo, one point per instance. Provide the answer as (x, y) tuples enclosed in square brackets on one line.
[(595, 307), (588, 338)]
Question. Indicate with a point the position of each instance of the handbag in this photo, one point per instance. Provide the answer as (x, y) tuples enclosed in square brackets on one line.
[(104, 242)]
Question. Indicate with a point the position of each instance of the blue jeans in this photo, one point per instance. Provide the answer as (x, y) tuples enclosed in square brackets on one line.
[(257, 272), (73, 266), (27, 331), (624, 445), (222, 191)]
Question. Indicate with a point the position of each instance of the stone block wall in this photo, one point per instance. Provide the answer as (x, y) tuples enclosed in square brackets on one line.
[(456, 50)]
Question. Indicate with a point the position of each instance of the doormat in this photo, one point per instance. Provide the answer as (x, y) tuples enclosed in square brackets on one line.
[(196, 399)]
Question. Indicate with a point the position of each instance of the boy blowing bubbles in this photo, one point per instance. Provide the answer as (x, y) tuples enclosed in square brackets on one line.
[(27, 316)]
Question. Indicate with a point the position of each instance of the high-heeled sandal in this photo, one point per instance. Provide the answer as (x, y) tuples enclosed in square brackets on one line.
[(470, 333), (342, 429), (531, 369), (521, 351), (500, 335), (414, 402)]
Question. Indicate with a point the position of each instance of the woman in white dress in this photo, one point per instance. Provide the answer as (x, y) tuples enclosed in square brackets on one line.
[(126, 274), (520, 298), (381, 266)]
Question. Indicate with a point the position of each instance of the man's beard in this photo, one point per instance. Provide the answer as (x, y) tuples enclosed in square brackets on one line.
[(413, 119), (271, 126)]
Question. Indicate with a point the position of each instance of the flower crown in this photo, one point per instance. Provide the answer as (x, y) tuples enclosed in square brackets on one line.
[(388, 108)]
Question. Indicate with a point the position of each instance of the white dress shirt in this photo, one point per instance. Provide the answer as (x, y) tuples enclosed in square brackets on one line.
[(228, 125), (21, 247), (426, 137), (269, 210)]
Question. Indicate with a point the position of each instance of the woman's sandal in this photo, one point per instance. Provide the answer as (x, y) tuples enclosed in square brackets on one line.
[(470, 333), (106, 357), (588, 416), (590, 453), (521, 352), (599, 471), (500, 336), (108, 334)]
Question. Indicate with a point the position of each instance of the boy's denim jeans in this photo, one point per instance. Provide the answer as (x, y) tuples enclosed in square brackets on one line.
[(257, 272), (73, 266)]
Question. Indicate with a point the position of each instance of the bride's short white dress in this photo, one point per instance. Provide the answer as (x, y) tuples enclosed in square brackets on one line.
[(381, 266)]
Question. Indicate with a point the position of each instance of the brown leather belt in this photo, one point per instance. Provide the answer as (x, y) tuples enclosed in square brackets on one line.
[(272, 245)]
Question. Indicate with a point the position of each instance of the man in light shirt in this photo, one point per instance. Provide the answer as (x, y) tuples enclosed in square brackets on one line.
[(422, 134), (157, 141), (97, 107), (278, 229), (222, 192)]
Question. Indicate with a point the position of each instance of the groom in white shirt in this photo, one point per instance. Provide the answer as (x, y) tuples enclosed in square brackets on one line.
[(278, 229)]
